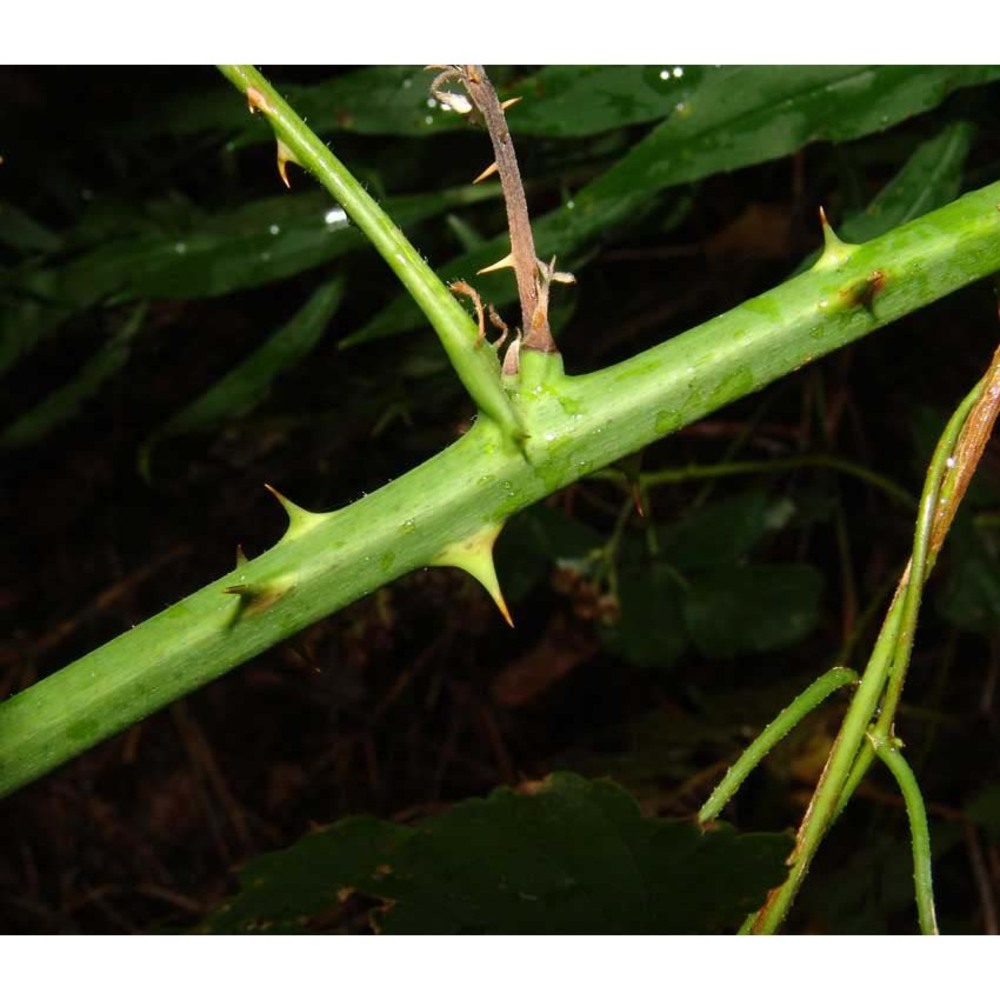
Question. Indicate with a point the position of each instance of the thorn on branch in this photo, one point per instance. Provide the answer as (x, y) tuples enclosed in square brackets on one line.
[(488, 172)]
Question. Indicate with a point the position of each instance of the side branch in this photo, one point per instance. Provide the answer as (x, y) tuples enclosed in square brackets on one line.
[(534, 298)]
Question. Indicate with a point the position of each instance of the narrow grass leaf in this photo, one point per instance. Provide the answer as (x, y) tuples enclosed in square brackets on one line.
[(243, 388), (66, 402)]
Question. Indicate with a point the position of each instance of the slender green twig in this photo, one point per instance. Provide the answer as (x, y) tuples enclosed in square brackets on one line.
[(473, 359), (924, 555), (888, 751), (686, 473), (773, 733), (884, 676), (826, 799)]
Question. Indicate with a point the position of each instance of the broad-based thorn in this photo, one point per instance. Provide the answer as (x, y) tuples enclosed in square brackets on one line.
[(257, 597), (835, 250), (285, 156), (475, 556), (300, 520)]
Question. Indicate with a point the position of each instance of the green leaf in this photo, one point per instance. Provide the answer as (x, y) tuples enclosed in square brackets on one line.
[(65, 403), (750, 114), (572, 857), (578, 101), (930, 178), (20, 231), (381, 100), (650, 631), (265, 241), (752, 609), (241, 389), (717, 534), (970, 596), (533, 541), (283, 891), (559, 102)]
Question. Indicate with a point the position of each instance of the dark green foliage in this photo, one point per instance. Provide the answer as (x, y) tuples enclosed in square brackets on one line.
[(626, 169), (752, 609), (242, 388), (569, 857), (725, 119)]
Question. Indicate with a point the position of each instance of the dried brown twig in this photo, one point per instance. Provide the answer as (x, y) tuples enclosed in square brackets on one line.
[(533, 275)]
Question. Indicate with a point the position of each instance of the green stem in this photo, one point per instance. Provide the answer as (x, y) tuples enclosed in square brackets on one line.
[(826, 802), (472, 357), (664, 477), (888, 753), (773, 733), (576, 425), (922, 560), (882, 681)]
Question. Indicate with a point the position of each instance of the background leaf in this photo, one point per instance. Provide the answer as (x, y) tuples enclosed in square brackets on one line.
[(242, 388), (752, 609), (570, 857)]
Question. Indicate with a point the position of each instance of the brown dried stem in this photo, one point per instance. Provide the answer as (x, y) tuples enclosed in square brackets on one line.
[(531, 289)]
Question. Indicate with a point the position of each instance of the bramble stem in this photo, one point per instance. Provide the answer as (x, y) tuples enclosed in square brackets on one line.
[(586, 422), (889, 753), (882, 682), (773, 733)]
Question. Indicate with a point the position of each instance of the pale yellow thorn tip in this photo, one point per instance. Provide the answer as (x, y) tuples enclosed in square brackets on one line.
[(507, 261), (488, 172), (285, 156), (835, 250), (475, 556), (511, 102), (299, 519)]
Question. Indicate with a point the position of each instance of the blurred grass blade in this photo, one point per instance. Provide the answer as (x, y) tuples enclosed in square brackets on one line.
[(561, 102), (65, 403), (243, 388), (265, 241), (748, 115), (20, 231), (929, 179)]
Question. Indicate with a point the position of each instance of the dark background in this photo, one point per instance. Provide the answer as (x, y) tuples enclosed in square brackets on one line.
[(420, 695)]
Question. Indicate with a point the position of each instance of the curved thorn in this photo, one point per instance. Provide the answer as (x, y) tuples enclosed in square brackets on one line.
[(300, 520), (475, 556)]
